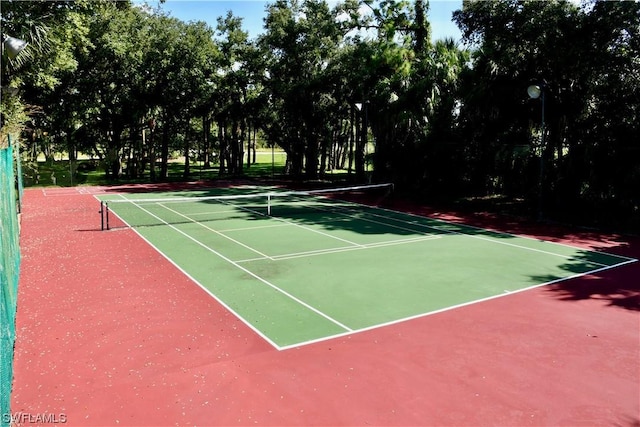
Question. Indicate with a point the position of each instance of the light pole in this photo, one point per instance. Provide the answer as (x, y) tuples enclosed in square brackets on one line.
[(13, 47), (535, 92), (361, 152)]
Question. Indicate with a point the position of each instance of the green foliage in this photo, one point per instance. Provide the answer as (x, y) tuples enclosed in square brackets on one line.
[(130, 85), (13, 117), (587, 58), (301, 41)]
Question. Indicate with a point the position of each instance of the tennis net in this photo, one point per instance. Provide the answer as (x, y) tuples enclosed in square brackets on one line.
[(238, 204)]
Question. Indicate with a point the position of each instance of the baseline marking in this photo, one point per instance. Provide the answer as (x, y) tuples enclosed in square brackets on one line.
[(453, 307)]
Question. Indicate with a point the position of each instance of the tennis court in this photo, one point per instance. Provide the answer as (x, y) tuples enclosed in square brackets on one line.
[(301, 267)]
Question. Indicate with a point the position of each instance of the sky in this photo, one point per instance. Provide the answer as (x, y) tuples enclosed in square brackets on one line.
[(253, 11)]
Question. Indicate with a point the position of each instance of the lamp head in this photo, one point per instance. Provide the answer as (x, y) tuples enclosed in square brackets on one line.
[(13, 46), (534, 91)]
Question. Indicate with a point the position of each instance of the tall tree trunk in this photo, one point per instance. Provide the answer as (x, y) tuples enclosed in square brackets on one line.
[(113, 160), (152, 152), (164, 151), (354, 135), (296, 162), (421, 33), (113, 152), (241, 139), (255, 133), (325, 150), (187, 160), (71, 146), (233, 151), (311, 158), (206, 149), (222, 138), (140, 159), (248, 145), (237, 147)]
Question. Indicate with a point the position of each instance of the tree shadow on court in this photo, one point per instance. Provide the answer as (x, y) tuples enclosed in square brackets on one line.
[(616, 287), (615, 283), (587, 272)]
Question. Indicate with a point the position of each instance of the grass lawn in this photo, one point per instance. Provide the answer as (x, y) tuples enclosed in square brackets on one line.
[(91, 172)]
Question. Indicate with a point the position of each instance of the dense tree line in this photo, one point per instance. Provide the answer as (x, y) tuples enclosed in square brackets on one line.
[(588, 60), (338, 88)]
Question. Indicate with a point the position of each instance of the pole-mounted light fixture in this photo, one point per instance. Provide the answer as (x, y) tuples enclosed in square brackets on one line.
[(13, 46), (364, 139), (535, 92)]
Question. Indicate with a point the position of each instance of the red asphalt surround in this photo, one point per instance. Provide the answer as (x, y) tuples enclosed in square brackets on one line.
[(111, 333)]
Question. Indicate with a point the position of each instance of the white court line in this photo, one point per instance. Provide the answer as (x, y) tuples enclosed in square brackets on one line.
[(351, 248), (250, 273), (343, 249), (281, 224), (212, 212), (214, 231), (386, 224), (338, 208), (297, 225), (259, 227), (354, 246), (453, 307), (221, 302), (292, 223), (495, 240), (459, 225), (261, 214)]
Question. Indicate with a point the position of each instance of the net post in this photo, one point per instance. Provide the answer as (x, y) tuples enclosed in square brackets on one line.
[(269, 204), (106, 207), (101, 215)]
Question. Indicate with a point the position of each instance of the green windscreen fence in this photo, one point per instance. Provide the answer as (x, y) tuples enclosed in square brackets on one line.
[(9, 272)]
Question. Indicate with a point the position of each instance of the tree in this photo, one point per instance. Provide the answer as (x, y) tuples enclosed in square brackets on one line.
[(232, 95), (410, 87), (109, 79), (301, 39), (55, 31), (573, 51), (602, 171)]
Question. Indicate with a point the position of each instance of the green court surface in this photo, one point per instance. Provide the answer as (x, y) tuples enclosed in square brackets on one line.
[(309, 268)]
